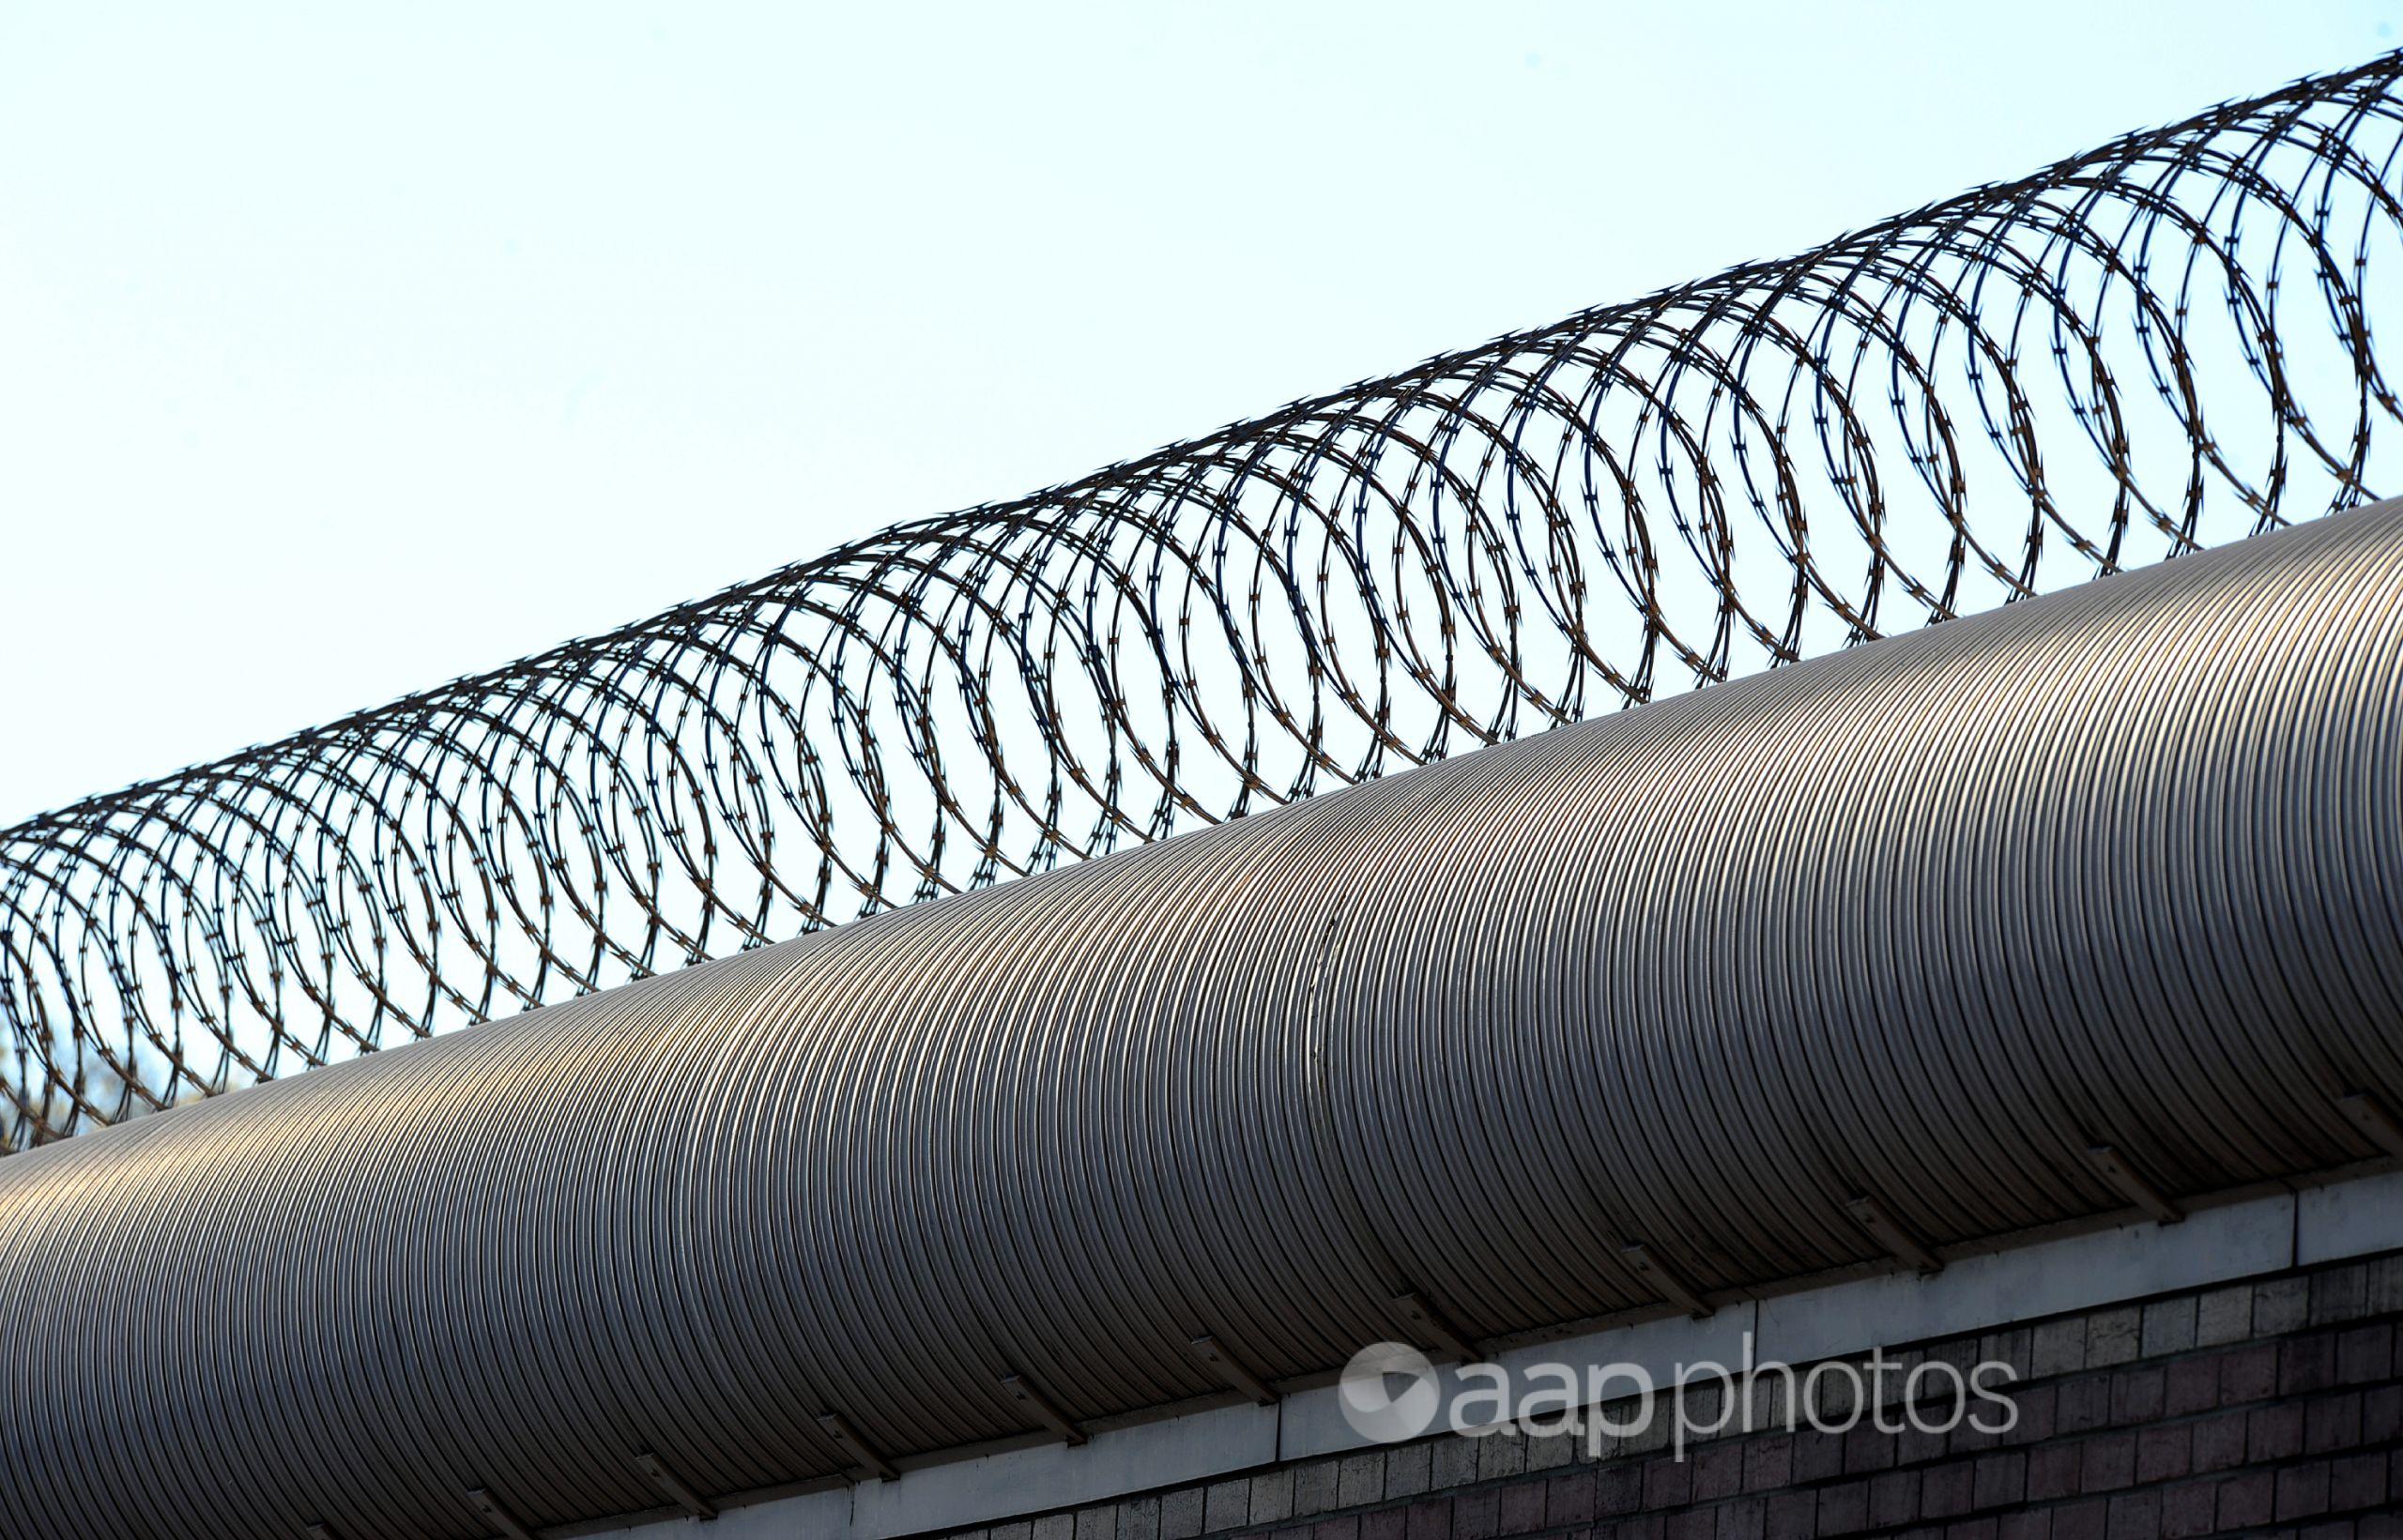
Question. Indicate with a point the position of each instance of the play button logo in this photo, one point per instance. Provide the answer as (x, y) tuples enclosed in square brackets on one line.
[(1389, 1391)]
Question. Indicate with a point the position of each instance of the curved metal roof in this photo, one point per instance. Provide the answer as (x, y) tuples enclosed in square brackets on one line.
[(1924, 923)]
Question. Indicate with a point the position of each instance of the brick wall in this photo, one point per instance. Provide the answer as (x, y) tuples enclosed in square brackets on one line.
[(2274, 1405)]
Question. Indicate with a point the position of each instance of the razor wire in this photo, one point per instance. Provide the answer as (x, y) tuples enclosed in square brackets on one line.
[(2159, 345)]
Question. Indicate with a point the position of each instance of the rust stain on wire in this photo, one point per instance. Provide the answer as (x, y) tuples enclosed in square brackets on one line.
[(2162, 344)]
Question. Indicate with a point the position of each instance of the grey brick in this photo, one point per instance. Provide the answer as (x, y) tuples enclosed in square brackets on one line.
[(1773, 1404), (1056, 1527), (1020, 1530), (2280, 1306), (2058, 1346), (2386, 1285), (1455, 1462), (1099, 1522), (1314, 1489), (1181, 1513), (1502, 1454), (1360, 1479), (1409, 1469), (2013, 1346), (1226, 1505), (2168, 1327), (1521, 1508), (1701, 1404), (1272, 1496), (2112, 1336), (1836, 1393), (1653, 1435), (1893, 1386), (1550, 1450), (2224, 1316), (2341, 1293), (1138, 1519), (2134, 1514)]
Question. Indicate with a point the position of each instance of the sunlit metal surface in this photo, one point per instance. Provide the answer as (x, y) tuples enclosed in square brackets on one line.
[(1925, 924), (2163, 343)]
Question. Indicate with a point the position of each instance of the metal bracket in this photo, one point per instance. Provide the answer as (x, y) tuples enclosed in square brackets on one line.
[(1040, 1404), (497, 1517), (2134, 1187), (1657, 1274), (653, 1466), (1223, 1363), (1899, 1242), (847, 1437), (1430, 1326), (2376, 1124)]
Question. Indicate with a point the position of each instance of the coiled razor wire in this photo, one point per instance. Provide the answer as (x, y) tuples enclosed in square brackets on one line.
[(2160, 345)]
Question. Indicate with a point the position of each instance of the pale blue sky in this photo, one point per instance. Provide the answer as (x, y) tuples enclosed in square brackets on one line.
[(345, 350)]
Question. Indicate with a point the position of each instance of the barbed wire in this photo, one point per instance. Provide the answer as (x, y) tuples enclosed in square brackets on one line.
[(2160, 345)]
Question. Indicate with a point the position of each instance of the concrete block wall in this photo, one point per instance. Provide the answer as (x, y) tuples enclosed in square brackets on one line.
[(2271, 1406)]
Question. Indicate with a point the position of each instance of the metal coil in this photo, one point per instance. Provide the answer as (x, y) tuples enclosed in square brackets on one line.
[(1923, 922), (2156, 346)]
